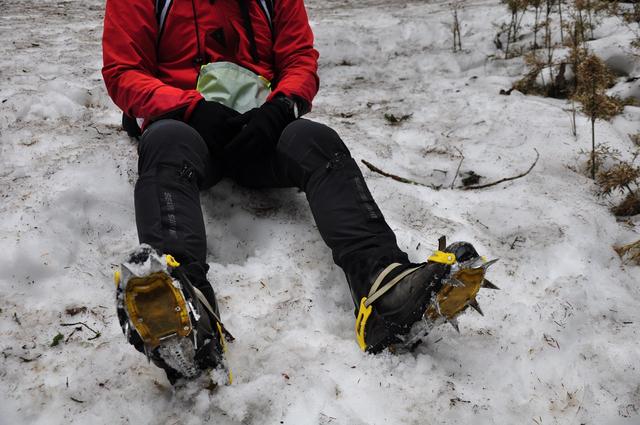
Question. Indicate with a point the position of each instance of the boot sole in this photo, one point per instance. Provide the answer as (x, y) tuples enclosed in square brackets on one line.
[(156, 308)]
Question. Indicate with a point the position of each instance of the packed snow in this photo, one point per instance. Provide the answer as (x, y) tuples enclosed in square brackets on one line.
[(557, 345)]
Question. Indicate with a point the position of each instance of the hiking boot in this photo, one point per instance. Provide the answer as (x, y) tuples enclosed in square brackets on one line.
[(166, 312), (407, 300)]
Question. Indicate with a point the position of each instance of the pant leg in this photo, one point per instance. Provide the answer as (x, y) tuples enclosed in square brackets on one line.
[(173, 166), (312, 157)]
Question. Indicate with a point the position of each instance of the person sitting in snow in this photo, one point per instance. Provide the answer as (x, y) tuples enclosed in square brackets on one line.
[(218, 88)]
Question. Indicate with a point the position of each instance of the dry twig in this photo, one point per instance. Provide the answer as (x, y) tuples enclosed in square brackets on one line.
[(397, 178), (96, 333), (458, 169)]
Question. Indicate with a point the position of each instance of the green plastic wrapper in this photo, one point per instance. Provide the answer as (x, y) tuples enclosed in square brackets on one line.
[(233, 86)]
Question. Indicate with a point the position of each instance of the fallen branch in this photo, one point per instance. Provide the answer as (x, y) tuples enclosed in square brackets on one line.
[(506, 179), (397, 178)]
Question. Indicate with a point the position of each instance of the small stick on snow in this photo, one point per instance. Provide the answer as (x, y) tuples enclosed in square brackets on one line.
[(397, 178), (96, 333), (26, 360), (515, 241), (79, 328), (506, 179), (458, 169), (98, 131), (482, 224)]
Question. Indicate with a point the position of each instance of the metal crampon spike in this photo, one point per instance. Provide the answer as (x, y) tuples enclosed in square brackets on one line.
[(474, 305), (454, 323), (487, 284), (147, 353), (442, 243), (490, 263)]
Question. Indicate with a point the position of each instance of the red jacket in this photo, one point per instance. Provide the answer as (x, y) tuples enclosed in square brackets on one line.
[(148, 74)]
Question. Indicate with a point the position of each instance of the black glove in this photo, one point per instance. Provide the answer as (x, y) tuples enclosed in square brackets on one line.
[(210, 120), (260, 128)]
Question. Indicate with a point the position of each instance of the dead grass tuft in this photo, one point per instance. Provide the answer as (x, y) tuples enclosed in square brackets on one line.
[(629, 253)]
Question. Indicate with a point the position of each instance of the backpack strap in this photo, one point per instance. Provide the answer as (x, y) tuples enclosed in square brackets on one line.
[(248, 27), (267, 7), (162, 9)]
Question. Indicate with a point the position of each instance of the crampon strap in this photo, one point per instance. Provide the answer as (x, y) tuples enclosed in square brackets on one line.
[(211, 311)]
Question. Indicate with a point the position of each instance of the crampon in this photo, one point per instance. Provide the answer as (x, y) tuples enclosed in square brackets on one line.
[(164, 316), (406, 302)]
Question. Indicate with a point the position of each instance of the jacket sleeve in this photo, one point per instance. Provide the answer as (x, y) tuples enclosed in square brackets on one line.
[(129, 63), (296, 60)]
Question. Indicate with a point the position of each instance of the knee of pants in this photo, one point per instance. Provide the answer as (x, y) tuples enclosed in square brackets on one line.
[(171, 142), (310, 145)]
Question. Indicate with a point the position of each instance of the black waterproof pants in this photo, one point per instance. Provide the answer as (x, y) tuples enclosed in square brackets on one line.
[(175, 165)]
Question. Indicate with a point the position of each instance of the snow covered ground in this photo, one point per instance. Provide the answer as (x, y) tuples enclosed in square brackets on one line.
[(559, 343)]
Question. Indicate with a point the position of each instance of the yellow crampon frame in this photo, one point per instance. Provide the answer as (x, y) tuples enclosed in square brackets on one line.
[(156, 307)]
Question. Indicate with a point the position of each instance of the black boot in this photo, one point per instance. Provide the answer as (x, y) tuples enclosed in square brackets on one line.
[(169, 312), (405, 301)]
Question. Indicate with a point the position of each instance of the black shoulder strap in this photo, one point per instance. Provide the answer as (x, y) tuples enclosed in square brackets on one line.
[(267, 8), (246, 20), (162, 8)]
